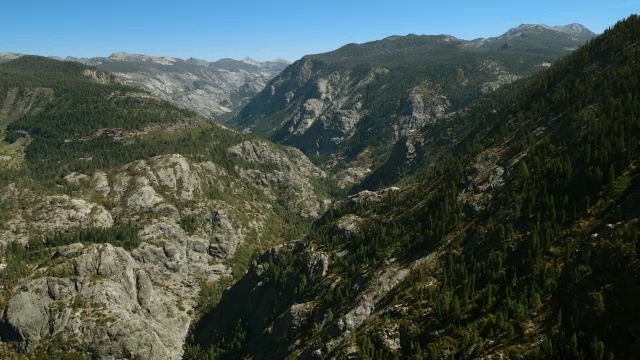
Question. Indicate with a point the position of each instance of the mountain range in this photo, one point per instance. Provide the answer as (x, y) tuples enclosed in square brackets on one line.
[(519, 241), (215, 90), (419, 197)]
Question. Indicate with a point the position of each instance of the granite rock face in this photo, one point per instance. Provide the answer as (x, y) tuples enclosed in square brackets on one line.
[(115, 303), (320, 106), (286, 178), (108, 304), (389, 100), (211, 89), (49, 214)]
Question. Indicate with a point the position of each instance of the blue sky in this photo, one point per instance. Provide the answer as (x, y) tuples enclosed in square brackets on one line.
[(268, 29)]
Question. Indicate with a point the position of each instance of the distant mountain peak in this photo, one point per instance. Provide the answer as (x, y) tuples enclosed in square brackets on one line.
[(197, 61), (251, 61), (124, 56), (574, 29), (255, 62)]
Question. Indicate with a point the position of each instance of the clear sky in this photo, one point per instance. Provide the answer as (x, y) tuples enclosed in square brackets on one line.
[(268, 29)]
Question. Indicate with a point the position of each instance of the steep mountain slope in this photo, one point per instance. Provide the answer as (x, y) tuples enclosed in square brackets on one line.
[(354, 103), (520, 242), (117, 208), (216, 89)]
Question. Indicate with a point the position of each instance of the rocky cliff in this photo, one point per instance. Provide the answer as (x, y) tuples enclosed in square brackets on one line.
[(138, 303), (212, 89), (353, 104), (106, 252)]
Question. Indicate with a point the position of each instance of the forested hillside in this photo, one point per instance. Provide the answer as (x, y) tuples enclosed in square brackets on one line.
[(346, 109), (122, 216), (70, 127), (520, 242)]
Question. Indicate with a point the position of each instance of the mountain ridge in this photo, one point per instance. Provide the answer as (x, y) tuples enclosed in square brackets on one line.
[(212, 89), (355, 103), (499, 215), (575, 29), (120, 55)]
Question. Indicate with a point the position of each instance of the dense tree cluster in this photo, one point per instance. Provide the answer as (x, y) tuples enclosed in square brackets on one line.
[(75, 131)]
